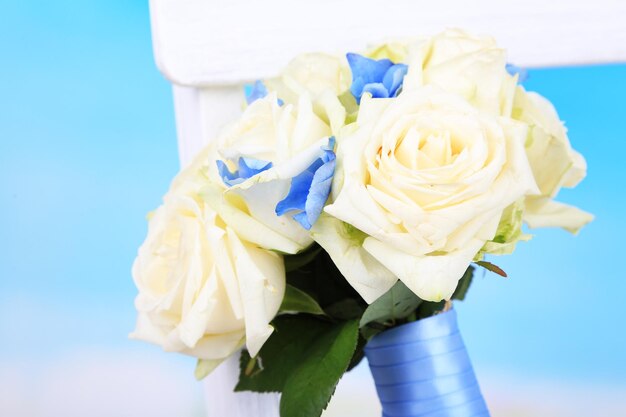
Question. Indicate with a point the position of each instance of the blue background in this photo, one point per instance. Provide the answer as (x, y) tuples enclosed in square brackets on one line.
[(88, 147)]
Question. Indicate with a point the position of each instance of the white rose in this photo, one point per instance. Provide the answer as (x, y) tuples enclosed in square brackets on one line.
[(284, 141), (203, 291), (314, 73), (553, 161), (509, 231), (472, 66), (424, 178), (320, 76), (394, 50)]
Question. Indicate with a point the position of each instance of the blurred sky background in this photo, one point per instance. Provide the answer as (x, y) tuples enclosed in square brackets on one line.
[(88, 147)]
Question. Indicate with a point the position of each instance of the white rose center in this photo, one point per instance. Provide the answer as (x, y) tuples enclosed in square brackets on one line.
[(432, 158)]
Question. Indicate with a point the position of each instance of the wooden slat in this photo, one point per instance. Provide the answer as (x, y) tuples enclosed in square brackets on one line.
[(210, 42), (201, 113)]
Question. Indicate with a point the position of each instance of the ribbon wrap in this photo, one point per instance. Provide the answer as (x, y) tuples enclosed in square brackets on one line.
[(422, 369)]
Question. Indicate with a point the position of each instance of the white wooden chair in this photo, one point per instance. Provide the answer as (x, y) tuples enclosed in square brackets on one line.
[(208, 49)]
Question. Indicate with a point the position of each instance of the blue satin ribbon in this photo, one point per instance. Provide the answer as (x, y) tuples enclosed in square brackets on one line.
[(422, 369)]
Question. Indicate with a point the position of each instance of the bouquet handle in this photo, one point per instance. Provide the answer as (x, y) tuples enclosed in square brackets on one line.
[(422, 369)]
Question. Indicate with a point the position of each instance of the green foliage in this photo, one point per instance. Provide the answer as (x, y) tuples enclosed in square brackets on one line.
[(310, 387), (282, 354), (359, 353), (429, 309), (373, 328), (346, 309), (321, 279), (396, 304), (297, 301), (293, 262), (304, 360)]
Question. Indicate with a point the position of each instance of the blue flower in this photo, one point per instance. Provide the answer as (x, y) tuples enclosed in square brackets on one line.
[(380, 78), (246, 168), (310, 189), (255, 91), (514, 69)]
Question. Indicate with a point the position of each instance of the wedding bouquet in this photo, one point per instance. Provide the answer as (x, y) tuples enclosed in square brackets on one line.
[(344, 211)]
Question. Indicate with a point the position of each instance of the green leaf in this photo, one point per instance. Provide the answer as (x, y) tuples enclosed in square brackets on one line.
[(298, 301), (397, 303), (323, 281), (283, 352), (371, 329), (464, 284), (293, 262), (346, 309), (204, 367), (493, 268), (430, 308), (309, 389), (359, 353)]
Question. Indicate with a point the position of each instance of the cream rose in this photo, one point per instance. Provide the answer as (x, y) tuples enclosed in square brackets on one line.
[(394, 50), (425, 180), (553, 161), (322, 77), (278, 142), (209, 275), (203, 290), (461, 63)]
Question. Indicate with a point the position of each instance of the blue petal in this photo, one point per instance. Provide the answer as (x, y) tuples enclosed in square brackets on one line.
[(302, 219), (377, 90), (365, 71), (331, 144), (247, 168), (296, 198), (357, 88), (299, 190), (229, 178), (255, 91), (394, 77), (521, 72), (310, 189), (319, 191)]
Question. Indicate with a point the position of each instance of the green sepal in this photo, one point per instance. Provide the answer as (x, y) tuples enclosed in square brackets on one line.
[(493, 268)]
